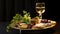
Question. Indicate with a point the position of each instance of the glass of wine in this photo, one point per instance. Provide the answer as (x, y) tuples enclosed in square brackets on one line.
[(40, 8)]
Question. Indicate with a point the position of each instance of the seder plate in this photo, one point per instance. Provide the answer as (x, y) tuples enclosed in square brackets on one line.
[(44, 26)]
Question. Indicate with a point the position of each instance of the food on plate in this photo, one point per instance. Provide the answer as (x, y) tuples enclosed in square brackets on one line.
[(35, 20), (47, 24), (38, 26), (30, 25), (45, 21), (53, 22), (35, 27), (23, 25)]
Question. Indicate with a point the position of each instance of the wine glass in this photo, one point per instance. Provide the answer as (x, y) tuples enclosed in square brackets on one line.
[(40, 8)]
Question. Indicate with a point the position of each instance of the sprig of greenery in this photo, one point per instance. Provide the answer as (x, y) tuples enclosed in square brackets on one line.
[(25, 19)]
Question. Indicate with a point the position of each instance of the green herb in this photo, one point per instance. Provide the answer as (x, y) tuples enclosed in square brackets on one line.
[(25, 19)]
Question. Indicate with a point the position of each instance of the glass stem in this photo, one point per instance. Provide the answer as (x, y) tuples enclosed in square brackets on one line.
[(40, 16)]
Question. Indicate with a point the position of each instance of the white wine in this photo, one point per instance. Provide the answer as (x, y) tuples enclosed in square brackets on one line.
[(40, 9)]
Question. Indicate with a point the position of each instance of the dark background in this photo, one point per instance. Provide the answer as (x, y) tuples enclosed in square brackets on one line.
[(8, 9)]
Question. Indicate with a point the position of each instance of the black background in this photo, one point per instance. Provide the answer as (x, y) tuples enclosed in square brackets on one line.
[(8, 9)]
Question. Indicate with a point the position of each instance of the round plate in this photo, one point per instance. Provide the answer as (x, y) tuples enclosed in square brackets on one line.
[(52, 24)]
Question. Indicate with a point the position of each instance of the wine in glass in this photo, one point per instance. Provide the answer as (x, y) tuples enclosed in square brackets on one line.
[(40, 8)]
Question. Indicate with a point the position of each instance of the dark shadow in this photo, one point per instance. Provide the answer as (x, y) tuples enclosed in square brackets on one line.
[(13, 31), (44, 31)]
